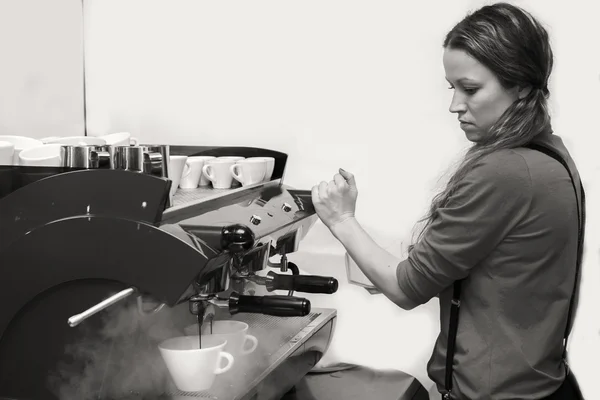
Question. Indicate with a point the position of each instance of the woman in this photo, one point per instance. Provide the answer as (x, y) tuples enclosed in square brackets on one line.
[(506, 226)]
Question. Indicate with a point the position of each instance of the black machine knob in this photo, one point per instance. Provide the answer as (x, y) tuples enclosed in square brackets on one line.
[(280, 306), (301, 283), (237, 238)]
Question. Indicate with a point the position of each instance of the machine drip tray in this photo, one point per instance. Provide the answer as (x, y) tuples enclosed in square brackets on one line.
[(258, 375)]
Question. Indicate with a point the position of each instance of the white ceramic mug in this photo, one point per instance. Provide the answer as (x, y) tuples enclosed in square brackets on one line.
[(120, 139), (177, 167), (46, 155), (78, 141), (7, 150), (191, 176), (239, 342), (270, 166), (194, 369), (234, 183), (204, 181), (218, 172), (21, 143), (249, 171)]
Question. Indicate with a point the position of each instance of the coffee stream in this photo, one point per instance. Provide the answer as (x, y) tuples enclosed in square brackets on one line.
[(200, 330)]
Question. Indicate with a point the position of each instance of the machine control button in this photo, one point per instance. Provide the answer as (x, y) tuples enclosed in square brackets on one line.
[(286, 207), (255, 219)]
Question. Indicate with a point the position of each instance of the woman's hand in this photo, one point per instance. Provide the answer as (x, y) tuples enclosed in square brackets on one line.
[(335, 202)]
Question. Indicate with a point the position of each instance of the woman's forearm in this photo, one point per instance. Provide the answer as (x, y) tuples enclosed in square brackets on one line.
[(376, 263)]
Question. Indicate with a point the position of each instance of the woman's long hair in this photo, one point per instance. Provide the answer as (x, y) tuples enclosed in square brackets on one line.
[(516, 48)]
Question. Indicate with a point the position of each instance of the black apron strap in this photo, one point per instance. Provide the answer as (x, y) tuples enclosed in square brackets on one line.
[(454, 308), (455, 304)]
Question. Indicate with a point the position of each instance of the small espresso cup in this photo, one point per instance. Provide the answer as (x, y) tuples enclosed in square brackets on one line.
[(235, 182), (177, 168), (21, 143), (218, 172), (194, 369), (239, 342), (46, 155), (7, 149), (192, 173), (204, 181), (249, 171), (270, 166)]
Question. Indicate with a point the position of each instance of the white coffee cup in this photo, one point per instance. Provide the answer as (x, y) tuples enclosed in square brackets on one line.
[(270, 166), (204, 181), (191, 175), (177, 166), (239, 342), (46, 155), (234, 183), (7, 149), (218, 172), (194, 369), (21, 143), (249, 171), (79, 141), (120, 139)]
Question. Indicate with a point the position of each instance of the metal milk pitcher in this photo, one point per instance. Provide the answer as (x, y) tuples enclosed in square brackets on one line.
[(89, 157), (156, 159), (152, 160)]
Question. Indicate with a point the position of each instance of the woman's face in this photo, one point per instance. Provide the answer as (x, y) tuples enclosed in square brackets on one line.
[(479, 99)]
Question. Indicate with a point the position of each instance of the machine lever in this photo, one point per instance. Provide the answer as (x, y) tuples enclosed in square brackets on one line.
[(77, 319)]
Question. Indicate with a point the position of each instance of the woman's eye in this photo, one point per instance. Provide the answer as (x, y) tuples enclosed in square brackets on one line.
[(470, 90)]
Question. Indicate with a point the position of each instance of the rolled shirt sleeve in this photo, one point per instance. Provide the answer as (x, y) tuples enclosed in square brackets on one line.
[(492, 198)]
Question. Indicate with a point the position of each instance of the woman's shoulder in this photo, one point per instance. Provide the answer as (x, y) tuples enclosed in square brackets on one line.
[(507, 166)]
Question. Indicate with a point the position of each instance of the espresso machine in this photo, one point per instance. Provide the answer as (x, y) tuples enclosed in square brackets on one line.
[(99, 263)]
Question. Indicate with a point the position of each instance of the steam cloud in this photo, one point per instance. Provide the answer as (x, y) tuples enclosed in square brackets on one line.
[(117, 356)]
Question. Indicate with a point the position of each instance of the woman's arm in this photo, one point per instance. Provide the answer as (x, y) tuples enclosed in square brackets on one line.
[(376, 263), (335, 203)]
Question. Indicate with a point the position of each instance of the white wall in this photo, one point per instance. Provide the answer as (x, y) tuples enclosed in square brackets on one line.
[(41, 70), (351, 84)]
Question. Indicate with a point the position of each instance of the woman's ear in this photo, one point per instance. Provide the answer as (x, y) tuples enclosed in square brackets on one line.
[(523, 92)]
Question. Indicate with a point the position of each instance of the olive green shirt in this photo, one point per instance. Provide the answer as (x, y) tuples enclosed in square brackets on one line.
[(511, 230)]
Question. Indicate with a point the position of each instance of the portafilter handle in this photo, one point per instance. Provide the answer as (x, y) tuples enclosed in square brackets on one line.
[(280, 306), (301, 283)]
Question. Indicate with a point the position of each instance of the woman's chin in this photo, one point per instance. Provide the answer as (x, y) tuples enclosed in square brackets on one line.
[(473, 135)]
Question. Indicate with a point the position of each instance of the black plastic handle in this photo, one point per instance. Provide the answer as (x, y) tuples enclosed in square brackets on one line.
[(301, 283), (280, 306)]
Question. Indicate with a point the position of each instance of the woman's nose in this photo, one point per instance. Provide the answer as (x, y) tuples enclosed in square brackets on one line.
[(457, 105)]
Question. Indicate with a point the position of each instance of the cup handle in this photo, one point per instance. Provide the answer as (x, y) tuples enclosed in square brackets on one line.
[(233, 170), (226, 368), (187, 168), (250, 338), (133, 141), (205, 170)]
